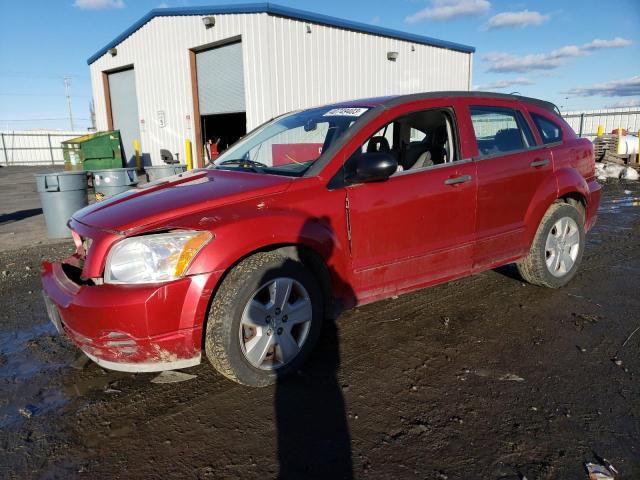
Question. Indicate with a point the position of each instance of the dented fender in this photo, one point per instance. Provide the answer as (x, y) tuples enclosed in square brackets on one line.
[(243, 235)]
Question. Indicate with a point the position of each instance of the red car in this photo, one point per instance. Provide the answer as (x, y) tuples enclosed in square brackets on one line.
[(319, 210)]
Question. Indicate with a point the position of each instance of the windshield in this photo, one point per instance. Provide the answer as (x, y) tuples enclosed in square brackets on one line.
[(289, 144)]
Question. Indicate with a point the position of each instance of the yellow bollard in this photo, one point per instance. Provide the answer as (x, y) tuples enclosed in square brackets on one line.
[(136, 148), (600, 130), (187, 144), (620, 150)]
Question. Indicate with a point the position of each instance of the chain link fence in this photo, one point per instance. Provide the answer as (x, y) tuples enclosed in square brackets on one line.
[(585, 123)]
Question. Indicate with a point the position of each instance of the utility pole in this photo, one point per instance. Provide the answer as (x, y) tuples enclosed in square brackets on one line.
[(67, 85), (92, 114)]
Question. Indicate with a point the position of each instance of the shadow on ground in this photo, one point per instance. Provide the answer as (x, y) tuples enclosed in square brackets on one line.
[(19, 215)]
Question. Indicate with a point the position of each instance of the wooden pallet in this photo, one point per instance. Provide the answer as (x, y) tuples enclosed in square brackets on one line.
[(605, 146)]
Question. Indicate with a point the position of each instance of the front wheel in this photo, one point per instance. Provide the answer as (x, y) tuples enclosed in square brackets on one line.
[(264, 320), (557, 248)]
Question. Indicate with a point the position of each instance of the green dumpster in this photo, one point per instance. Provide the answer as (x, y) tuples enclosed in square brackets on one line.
[(95, 151)]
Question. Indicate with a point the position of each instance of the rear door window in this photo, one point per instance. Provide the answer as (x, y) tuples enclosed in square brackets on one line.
[(500, 130), (549, 131)]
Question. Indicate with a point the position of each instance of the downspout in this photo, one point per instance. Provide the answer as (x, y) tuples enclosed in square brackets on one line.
[(469, 84)]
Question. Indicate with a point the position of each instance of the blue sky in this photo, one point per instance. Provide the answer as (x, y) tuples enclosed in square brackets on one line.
[(578, 54)]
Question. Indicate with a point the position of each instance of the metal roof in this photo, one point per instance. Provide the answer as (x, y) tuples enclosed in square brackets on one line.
[(280, 11)]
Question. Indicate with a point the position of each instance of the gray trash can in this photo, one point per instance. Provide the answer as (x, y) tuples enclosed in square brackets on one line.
[(156, 172), (61, 195), (114, 180)]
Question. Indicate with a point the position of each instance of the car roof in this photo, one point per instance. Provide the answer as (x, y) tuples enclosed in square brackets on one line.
[(393, 100)]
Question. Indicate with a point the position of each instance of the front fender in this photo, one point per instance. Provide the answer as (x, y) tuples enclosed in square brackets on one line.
[(244, 234)]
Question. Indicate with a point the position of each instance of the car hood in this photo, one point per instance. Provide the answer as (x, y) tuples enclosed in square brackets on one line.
[(177, 196)]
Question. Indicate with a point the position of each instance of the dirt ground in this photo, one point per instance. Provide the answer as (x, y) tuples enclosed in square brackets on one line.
[(486, 377)]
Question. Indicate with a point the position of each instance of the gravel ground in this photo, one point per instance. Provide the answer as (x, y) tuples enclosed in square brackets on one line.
[(21, 219), (486, 377)]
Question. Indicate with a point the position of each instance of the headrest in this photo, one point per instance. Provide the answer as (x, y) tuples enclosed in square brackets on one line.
[(508, 139), (378, 144)]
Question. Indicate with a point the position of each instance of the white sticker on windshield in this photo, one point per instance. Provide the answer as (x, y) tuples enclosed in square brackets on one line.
[(345, 112)]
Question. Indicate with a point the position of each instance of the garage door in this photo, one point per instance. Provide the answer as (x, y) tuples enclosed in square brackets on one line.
[(124, 110), (220, 80)]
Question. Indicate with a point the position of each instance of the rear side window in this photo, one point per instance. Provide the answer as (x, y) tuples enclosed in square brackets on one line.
[(549, 131), (500, 130)]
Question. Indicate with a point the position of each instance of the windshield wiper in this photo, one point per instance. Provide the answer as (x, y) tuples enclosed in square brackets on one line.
[(257, 167)]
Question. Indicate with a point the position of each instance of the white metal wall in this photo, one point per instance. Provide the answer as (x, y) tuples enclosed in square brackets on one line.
[(331, 64), (285, 68), (610, 118)]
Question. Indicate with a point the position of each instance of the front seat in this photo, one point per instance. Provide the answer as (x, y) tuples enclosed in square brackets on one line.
[(437, 153)]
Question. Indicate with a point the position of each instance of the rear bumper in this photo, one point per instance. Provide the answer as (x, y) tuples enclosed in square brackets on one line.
[(593, 203), (142, 328)]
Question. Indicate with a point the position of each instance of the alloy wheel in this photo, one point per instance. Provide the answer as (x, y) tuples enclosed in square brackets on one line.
[(275, 323), (562, 246)]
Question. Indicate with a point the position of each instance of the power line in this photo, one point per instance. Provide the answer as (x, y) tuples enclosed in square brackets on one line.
[(39, 94), (9, 73), (39, 119)]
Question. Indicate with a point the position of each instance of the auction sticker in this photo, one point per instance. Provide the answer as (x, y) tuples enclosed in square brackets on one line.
[(345, 112)]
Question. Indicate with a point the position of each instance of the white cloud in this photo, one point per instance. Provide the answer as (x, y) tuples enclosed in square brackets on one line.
[(522, 19), (449, 9), (501, 84), (615, 88), (506, 62), (625, 104), (613, 43), (632, 102), (98, 4)]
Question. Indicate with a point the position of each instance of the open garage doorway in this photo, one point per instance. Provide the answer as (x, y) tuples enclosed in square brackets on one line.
[(223, 130), (219, 96)]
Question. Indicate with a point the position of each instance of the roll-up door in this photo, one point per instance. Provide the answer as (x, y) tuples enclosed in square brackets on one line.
[(124, 110), (220, 80)]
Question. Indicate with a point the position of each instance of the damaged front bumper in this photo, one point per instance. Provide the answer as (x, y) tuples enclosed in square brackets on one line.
[(133, 328)]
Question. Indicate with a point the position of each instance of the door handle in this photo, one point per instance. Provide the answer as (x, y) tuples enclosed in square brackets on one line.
[(456, 180), (539, 163)]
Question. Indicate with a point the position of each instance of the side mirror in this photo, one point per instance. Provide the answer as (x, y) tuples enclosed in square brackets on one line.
[(375, 166)]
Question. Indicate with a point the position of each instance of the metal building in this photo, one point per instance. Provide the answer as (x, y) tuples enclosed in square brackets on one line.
[(216, 72)]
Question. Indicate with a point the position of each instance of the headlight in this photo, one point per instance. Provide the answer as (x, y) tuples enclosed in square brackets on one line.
[(153, 258)]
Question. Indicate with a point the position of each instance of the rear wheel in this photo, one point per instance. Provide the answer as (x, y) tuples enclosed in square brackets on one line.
[(264, 320), (557, 248)]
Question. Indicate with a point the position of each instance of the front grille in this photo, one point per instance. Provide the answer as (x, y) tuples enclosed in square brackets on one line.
[(74, 274)]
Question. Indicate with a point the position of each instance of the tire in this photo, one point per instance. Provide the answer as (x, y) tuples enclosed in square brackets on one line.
[(237, 337), (544, 266)]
